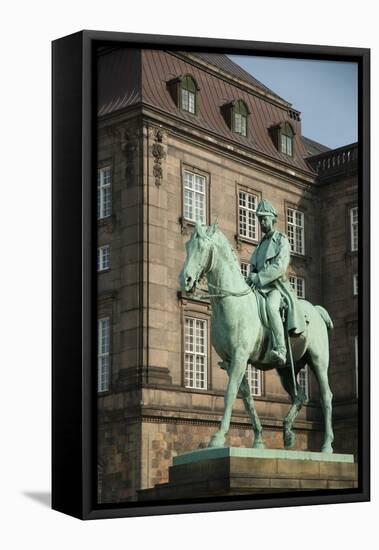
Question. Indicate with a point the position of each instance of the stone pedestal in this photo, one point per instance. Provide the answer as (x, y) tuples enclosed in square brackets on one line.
[(240, 471)]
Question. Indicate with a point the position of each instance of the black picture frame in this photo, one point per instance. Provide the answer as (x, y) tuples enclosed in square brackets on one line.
[(73, 271)]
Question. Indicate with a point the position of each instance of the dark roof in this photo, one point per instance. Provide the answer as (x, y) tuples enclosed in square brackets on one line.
[(133, 76), (313, 147), (224, 63), (119, 80)]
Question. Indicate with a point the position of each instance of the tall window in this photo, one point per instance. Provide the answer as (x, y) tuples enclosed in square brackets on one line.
[(104, 192), (247, 206), (295, 230), (188, 94), (240, 113), (103, 359), (195, 197), (103, 257), (254, 378), (286, 140), (298, 285), (354, 228), (303, 379), (355, 284), (195, 353), (245, 269), (356, 356)]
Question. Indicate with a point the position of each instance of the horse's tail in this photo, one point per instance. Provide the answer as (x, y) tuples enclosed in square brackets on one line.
[(326, 317)]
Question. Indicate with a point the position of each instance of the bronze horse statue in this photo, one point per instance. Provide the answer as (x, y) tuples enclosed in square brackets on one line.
[(240, 338)]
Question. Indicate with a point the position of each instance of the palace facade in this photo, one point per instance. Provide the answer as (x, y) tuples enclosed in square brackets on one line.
[(185, 137)]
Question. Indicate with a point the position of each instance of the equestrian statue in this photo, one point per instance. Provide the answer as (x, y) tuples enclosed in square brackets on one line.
[(260, 321)]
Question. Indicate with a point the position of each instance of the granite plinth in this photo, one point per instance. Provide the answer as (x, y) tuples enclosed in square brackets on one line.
[(239, 471)]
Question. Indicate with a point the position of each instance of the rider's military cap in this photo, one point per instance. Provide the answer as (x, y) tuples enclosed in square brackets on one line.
[(265, 208)]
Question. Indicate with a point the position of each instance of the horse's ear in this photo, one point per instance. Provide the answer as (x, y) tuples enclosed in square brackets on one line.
[(211, 230), (200, 229)]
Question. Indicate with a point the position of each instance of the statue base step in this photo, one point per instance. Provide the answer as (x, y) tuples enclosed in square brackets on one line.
[(238, 471)]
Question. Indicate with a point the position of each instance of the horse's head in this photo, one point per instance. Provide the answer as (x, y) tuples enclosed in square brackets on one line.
[(198, 258)]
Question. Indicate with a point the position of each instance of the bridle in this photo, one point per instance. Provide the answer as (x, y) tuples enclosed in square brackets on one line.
[(220, 292)]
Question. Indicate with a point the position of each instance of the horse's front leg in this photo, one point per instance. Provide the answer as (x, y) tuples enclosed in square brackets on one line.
[(236, 371)]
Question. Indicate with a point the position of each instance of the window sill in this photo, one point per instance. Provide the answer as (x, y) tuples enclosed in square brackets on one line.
[(103, 270), (186, 225), (241, 239)]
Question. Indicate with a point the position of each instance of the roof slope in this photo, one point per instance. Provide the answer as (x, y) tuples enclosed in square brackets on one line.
[(313, 147), (130, 77), (226, 64)]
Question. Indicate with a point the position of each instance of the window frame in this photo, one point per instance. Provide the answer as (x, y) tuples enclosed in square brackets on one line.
[(355, 284), (297, 278), (241, 189), (194, 92), (354, 239), (250, 369), (101, 269), (356, 365), (287, 132), (105, 165), (237, 107), (193, 317), (245, 263), (290, 224), (197, 172), (100, 389)]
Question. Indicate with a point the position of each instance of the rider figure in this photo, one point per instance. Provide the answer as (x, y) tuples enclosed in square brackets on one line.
[(268, 274)]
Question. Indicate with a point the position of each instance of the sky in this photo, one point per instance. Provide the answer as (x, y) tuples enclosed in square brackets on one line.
[(325, 92)]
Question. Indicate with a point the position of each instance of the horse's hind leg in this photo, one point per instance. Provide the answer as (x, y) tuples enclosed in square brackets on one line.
[(289, 436), (236, 372), (319, 363), (249, 404)]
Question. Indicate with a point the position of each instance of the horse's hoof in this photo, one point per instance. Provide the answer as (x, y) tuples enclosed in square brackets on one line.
[(259, 445), (327, 448), (217, 440), (289, 440)]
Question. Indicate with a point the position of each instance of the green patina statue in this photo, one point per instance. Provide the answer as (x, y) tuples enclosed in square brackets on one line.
[(269, 265), (245, 331)]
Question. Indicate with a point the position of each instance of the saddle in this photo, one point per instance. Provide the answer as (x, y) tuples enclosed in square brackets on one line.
[(298, 342), (262, 309)]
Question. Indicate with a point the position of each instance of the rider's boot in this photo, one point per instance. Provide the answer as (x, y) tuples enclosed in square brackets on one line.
[(278, 355)]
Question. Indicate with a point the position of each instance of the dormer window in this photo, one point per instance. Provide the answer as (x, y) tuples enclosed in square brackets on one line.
[(283, 137), (240, 113), (183, 90), (188, 90), (286, 139), (235, 114)]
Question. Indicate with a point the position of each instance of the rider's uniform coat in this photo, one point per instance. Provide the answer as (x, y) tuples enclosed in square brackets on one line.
[(270, 261)]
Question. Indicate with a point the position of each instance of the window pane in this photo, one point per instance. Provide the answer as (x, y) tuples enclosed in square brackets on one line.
[(196, 354), (104, 192), (248, 226), (254, 379), (354, 228), (295, 230), (194, 207), (103, 359)]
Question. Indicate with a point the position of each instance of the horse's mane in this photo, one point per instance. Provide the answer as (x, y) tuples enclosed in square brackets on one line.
[(223, 241)]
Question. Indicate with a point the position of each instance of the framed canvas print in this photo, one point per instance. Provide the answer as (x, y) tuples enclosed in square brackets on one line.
[(210, 275)]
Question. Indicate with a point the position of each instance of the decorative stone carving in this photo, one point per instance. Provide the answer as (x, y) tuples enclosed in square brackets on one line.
[(159, 154)]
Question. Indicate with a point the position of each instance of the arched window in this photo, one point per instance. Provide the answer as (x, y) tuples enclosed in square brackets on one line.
[(240, 113), (184, 90), (286, 139), (188, 89)]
